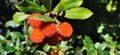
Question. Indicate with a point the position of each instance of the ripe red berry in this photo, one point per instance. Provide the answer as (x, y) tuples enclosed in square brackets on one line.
[(33, 22), (49, 29), (36, 36), (65, 29), (53, 40)]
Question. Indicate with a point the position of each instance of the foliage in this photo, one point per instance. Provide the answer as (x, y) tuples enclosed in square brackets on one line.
[(103, 39)]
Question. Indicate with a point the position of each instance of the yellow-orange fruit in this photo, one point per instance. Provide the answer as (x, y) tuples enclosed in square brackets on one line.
[(65, 29), (33, 22), (36, 36), (49, 29), (53, 40)]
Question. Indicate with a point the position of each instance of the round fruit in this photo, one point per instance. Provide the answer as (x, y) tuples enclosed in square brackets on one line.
[(65, 29), (53, 40), (49, 29), (36, 36), (34, 22)]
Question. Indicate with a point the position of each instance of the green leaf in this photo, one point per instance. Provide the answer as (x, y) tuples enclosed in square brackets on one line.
[(107, 38), (69, 4), (17, 43), (78, 13), (2, 39), (1, 49), (46, 47), (101, 46), (14, 35), (18, 53), (12, 24), (106, 52), (30, 28), (47, 4), (18, 17), (88, 43), (63, 44), (10, 47), (7, 33), (30, 7), (100, 28), (45, 18), (61, 6), (111, 6), (117, 52)]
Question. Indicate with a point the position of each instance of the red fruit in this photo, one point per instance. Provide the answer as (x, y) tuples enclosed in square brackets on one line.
[(49, 29), (36, 36), (53, 40), (52, 53), (33, 22), (65, 29)]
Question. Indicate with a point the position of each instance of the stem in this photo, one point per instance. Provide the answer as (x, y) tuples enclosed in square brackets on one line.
[(25, 28)]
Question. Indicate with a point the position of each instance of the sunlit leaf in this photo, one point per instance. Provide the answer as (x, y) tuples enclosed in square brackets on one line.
[(18, 17), (101, 46), (111, 6), (30, 7), (78, 13), (30, 28), (45, 18), (69, 4), (107, 38), (12, 24), (46, 47), (14, 35)]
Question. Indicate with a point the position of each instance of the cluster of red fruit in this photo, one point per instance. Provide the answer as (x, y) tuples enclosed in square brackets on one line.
[(49, 31)]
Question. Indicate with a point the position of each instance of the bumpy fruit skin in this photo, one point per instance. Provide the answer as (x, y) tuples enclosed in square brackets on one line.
[(53, 40), (49, 29), (36, 36), (65, 30), (33, 22)]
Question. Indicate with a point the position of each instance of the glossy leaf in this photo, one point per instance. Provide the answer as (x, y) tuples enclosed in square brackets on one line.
[(18, 17), (12, 24), (14, 35), (30, 7), (45, 18), (47, 4), (78, 13), (69, 4), (46, 47), (61, 6)]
